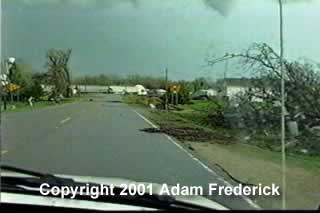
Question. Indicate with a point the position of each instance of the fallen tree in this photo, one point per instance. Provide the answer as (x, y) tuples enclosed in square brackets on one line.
[(260, 105)]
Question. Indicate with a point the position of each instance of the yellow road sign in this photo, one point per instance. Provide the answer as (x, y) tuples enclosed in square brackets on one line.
[(175, 88), (13, 87)]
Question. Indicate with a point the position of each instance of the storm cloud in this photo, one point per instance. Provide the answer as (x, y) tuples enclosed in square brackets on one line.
[(223, 7), (144, 36)]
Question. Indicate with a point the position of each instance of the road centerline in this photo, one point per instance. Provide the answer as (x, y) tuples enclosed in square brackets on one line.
[(65, 120)]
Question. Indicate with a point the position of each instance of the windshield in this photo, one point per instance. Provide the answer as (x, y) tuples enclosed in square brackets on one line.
[(213, 95)]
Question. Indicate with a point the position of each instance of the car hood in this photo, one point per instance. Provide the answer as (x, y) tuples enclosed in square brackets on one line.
[(52, 201)]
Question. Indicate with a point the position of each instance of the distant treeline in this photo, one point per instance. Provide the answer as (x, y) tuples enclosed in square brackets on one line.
[(147, 81), (130, 80)]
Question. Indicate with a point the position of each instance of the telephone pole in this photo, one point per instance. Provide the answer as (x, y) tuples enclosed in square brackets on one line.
[(283, 148), (224, 78), (166, 77)]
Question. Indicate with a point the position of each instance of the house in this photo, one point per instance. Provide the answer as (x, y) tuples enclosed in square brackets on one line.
[(116, 89), (230, 87), (138, 89), (141, 90), (234, 86), (209, 92), (204, 93), (161, 91), (156, 92)]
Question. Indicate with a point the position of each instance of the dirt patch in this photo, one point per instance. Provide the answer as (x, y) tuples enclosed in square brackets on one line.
[(191, 134)]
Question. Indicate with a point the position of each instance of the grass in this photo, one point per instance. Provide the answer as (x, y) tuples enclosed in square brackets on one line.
[(19, 106), (252, 164), (141, 101)]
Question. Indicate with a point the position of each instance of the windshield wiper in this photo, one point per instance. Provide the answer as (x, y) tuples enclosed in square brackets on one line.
[(22, 171), (31, 185), (38, 177)]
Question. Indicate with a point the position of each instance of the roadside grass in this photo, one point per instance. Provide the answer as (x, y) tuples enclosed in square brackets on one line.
[(140, 101), (24, 106), (255, 165), (250, 163), (135, 100), (19, 106), (197, 105)]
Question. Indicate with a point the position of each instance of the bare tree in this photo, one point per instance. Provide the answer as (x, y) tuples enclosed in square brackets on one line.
[(58, 72)]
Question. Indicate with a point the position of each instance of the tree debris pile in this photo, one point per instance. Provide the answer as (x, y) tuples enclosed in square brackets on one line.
[(192, 134)]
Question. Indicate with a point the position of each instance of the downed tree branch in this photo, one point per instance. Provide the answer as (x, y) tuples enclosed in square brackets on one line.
[(191, 134), (233, 178)]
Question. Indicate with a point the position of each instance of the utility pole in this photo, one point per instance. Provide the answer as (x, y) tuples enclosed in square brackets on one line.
[(86, 82), (172, 98), (177, 97), (166, 77), (224, 78), (18, 94), (283, 148), (71, 88), (11, 97)]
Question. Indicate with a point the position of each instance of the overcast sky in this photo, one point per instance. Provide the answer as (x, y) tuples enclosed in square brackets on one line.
[(145, 36)]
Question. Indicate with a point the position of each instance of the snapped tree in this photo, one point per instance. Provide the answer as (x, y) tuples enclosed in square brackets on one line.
[(263, 97), (58, 73)]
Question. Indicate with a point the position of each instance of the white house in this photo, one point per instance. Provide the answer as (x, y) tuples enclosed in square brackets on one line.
[(233, 86), (141, 90), (230, 87), (209, 92), (138, 89), (117, 89), (161, 91)]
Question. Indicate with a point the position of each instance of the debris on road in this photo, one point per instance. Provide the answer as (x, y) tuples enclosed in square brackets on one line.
[(191, 134), (191, 148)]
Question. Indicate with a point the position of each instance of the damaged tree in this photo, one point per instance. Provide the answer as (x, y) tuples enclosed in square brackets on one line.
[(58, 73), (263, 98)]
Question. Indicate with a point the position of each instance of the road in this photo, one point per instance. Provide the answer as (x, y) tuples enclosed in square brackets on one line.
[(102, 138)]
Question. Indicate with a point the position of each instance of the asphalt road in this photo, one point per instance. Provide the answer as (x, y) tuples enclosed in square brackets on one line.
[(101, 138)]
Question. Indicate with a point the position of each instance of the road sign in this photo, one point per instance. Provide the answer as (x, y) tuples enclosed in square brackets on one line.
[(175, 88), (13, 87)]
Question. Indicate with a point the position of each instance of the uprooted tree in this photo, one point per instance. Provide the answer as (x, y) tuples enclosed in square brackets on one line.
[(58, 73), (263, 98)]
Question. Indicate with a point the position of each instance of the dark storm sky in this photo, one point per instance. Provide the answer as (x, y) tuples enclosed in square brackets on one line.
[(144, 36)]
